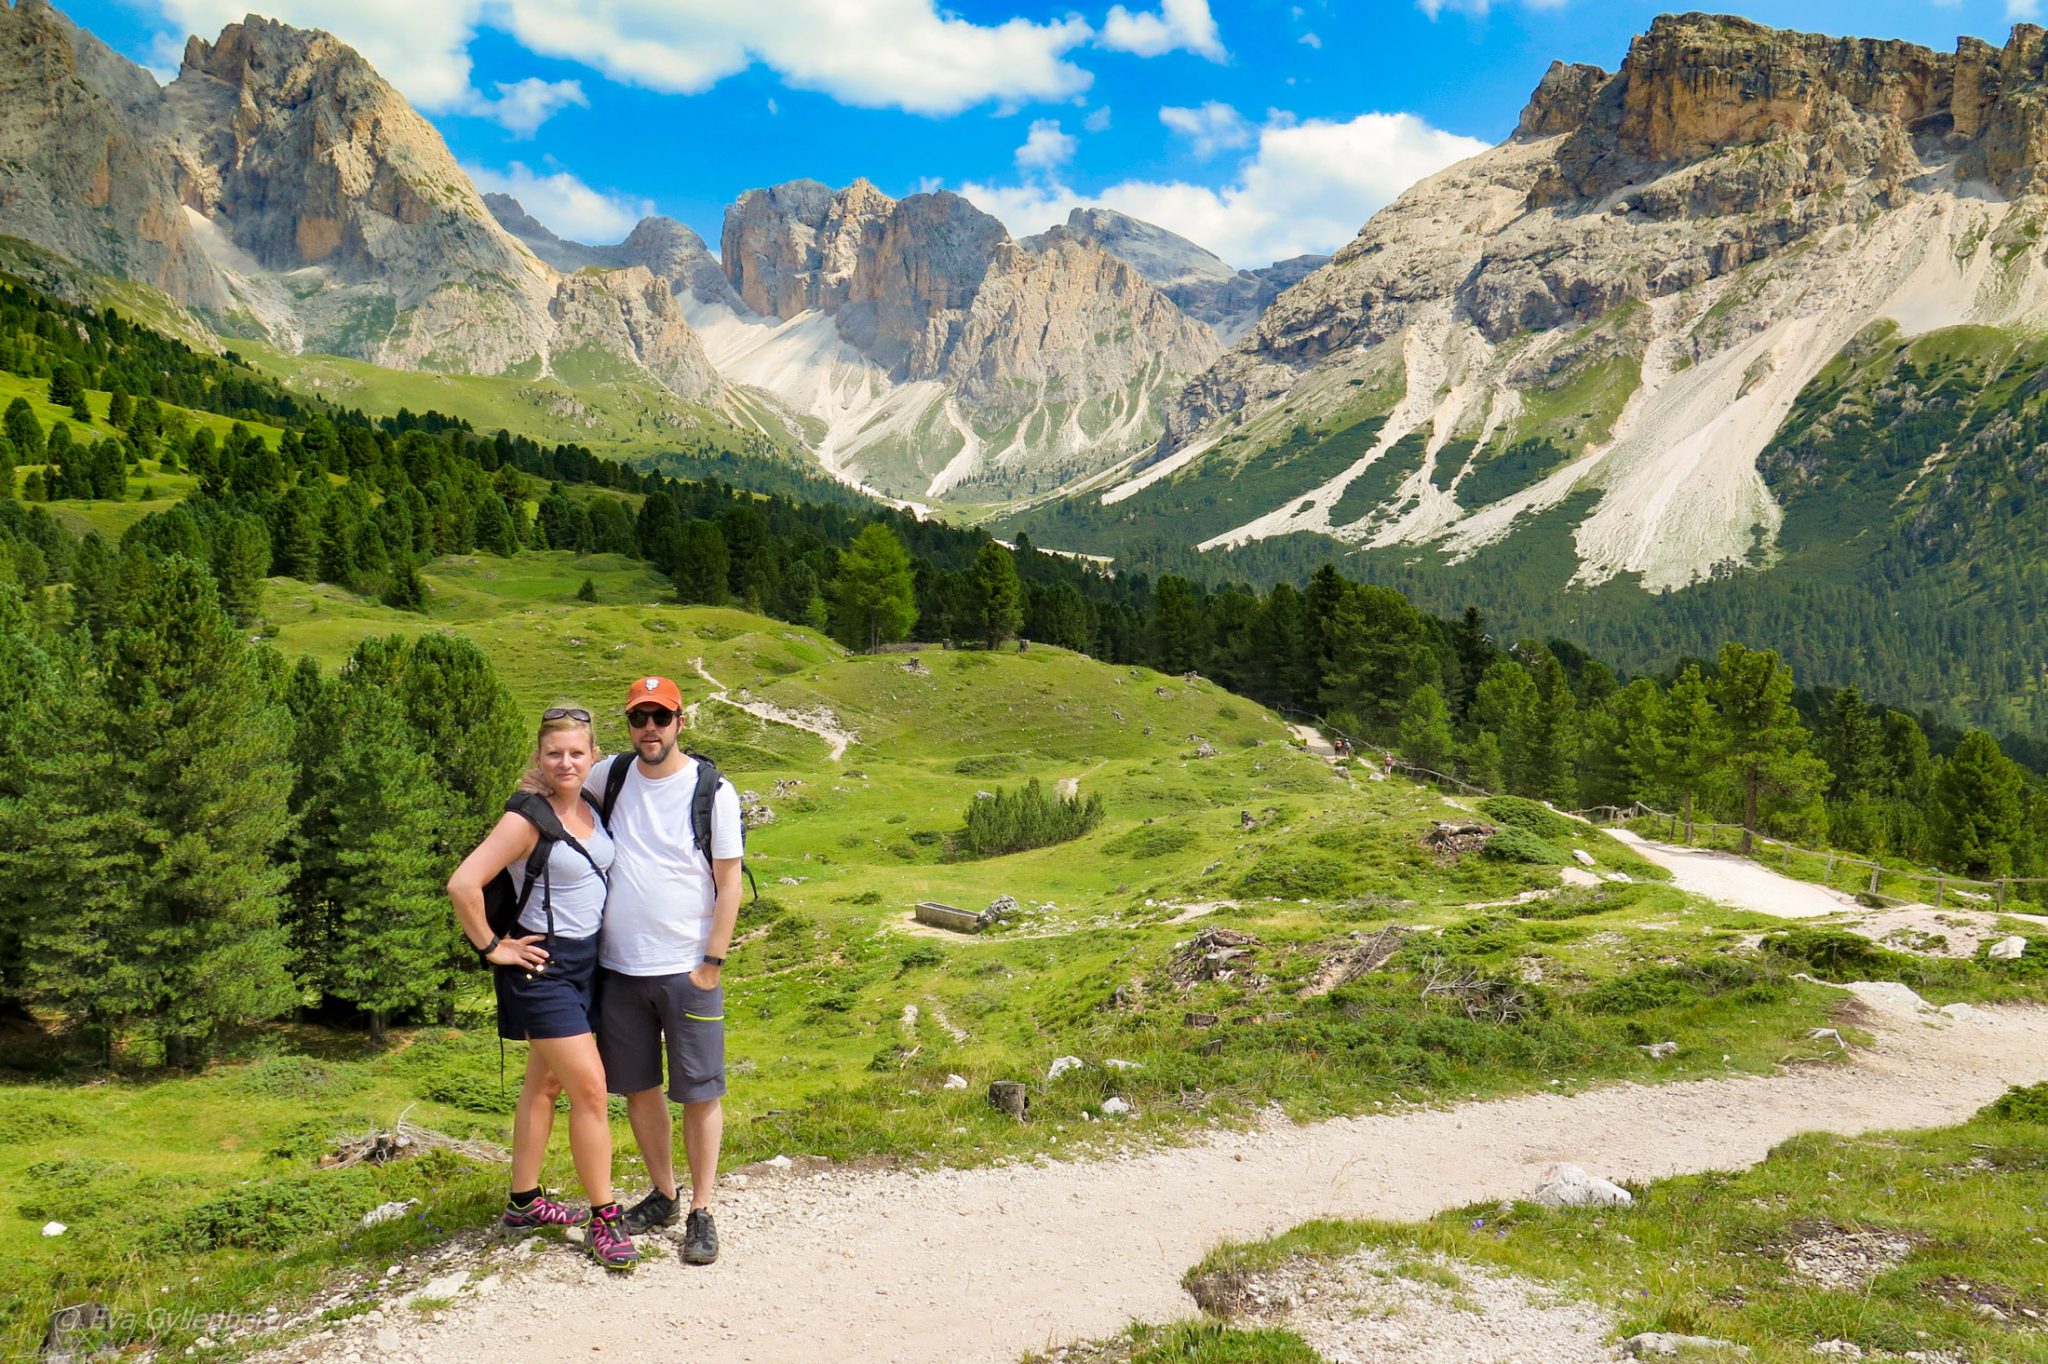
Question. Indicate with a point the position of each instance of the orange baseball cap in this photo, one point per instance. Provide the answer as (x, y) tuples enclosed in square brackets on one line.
[(654, 691)]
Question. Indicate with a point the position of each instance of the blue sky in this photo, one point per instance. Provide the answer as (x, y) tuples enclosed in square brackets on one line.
[(1260, 128)]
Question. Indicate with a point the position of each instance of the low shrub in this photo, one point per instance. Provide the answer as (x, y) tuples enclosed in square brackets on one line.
[(1533, 816), (297, 1077), (1152, 840), (1012, 821), (269, 1215), (1511, 843), (1298, 874), (1839, 954), (988, 765), (1658, 987), (1486, 933), (2021, 1103)]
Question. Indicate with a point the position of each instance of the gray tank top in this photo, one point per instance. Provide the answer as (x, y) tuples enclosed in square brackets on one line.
[(574, 888)]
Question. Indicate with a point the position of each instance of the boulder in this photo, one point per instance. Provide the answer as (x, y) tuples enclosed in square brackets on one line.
[(956, 1082), (1657, 1051), (1568, 1186), (1584, 858), (2008, 949), (1061, 1065), (1115, 1107)]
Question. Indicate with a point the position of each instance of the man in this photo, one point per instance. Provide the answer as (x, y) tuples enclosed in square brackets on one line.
[(666, 929)]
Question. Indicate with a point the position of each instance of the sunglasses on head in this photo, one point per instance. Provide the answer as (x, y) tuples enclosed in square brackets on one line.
[(658, 716), (576, 713)]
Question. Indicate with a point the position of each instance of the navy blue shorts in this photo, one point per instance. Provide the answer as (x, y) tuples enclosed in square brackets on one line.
[(557, 1001)]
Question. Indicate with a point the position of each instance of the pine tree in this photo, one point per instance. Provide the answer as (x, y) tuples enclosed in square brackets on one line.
[(372, 857), (1176, 624), (1977, 808), (6, 468), (873, 597), (465, 719), (241, 558), (1686, 742), (1425, 737), (169, 908), (700, 564), (1504, 705), (998, 594), (1767, 753), (67, 385), (1554, 734), (24, 431)]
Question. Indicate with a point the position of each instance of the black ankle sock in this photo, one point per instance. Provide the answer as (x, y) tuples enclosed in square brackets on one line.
[(526, 1198), (605, 1209)]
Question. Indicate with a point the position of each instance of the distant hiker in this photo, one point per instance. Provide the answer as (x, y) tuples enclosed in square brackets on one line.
[(675, 900), (543, 954)]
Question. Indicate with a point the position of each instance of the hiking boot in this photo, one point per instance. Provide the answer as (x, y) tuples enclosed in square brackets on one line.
[(539, 1215), (700, 1238), (652, 1213), (610, 1246)]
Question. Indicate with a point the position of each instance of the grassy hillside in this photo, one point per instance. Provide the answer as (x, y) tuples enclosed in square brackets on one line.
[(610, 414), (846, 1018)]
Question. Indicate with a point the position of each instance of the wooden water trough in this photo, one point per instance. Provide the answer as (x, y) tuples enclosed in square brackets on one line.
[(946, 916)]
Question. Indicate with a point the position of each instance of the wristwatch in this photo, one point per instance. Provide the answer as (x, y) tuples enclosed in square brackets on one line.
[(714, 961), (488, 947)]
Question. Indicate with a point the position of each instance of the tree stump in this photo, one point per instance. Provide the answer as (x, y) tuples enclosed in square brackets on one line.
[(1012, 1097)]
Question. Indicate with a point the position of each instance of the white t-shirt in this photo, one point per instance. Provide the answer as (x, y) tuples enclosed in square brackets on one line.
[(574, 888), (659, 917)]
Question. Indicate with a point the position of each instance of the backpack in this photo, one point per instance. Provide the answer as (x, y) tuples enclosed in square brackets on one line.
[(503, 904), (701, 801)]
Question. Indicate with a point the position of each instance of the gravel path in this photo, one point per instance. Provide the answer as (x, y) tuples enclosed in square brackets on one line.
[(986, 1264), (1738, 881)]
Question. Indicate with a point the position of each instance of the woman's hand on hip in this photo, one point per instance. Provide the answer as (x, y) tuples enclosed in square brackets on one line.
[(526, 952)]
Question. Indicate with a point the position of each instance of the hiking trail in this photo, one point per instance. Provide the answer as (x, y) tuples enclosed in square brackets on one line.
[(821, 722), (984, 1264)]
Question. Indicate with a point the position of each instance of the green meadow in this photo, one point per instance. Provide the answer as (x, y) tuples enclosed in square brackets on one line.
[(846, 1019)]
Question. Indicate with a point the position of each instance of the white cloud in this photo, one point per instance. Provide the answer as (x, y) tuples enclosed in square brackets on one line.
[(1210, 129), (1308, 187), (1179, 24), (569, 207), (1479, 9), (2023, 11), (522, 106), (1310, 40), (1097, 120), (903, 54), (1046, 147)]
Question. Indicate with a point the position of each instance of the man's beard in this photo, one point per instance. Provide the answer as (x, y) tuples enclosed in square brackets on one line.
[(661, 757)]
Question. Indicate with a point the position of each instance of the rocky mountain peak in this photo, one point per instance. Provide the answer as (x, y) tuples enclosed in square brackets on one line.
[(1200, 283)]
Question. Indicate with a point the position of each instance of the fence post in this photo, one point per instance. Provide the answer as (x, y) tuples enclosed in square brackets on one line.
[(1874, 870), (1937, 892), (2001, 894)]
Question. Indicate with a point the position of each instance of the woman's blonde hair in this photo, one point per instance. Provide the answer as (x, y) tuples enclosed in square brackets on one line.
[(535, 779)]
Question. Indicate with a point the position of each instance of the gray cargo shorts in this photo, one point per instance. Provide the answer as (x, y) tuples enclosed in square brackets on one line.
[(637, 1014)]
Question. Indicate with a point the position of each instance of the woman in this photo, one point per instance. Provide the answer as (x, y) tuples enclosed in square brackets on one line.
[(544, 973)]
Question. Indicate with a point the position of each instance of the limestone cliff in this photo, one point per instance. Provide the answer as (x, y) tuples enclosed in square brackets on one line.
[(942, 354), (1200, 283), (80, 165), (1631, 291)]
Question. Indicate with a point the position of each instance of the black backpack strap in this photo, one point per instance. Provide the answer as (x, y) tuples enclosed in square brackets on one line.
[(703, 801), (614, 782), (535, 810)]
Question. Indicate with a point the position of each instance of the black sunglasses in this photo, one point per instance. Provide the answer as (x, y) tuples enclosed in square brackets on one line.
[(576, 713), (658, 716)]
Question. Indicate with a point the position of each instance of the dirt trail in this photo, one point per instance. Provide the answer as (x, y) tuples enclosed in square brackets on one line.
[(972, 1265), (1738, 881), (821, 723), (985, 1264)]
